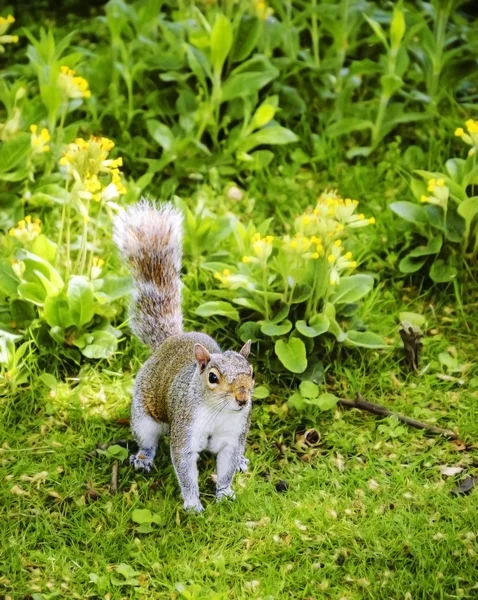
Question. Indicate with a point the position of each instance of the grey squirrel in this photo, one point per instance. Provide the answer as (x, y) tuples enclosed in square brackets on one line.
[(188, 386)]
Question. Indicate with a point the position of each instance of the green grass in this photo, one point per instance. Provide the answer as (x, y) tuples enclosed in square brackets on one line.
[(366, 514)]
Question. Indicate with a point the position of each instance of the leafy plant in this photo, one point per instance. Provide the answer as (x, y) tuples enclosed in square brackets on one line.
[(290, 290), (446, 216)]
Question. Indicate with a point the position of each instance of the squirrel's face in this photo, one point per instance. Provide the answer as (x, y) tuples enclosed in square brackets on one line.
[(228, 377)]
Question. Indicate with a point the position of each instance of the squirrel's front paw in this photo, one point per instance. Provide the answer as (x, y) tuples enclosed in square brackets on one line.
[(225, 493), (243, 464), (193, 505), (141, 461)]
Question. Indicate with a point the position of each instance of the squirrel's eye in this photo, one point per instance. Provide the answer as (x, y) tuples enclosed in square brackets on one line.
[(213, 378)]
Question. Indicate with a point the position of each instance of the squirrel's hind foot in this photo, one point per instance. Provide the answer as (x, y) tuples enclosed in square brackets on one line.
[(142, 461), (243, 465)]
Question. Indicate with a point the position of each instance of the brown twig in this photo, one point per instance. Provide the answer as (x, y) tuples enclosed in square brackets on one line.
[(114, 477), (378, 409)]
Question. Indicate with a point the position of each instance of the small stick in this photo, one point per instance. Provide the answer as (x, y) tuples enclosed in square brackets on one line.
[(378, 409), (114, 477)]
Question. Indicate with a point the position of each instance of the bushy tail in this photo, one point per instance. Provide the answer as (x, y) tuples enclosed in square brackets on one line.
[(150, 239)]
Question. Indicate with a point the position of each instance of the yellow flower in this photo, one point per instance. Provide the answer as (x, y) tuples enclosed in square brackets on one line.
[(246, 259), (72, 85), (262, 10), (371, 221), (470, 138), (315, 255), (88, 163), (96, 267), (39, 142), (5, 23), (26, 230)]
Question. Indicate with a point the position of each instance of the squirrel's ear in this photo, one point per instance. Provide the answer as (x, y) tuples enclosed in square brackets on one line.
[(244, 351), (202, 356)]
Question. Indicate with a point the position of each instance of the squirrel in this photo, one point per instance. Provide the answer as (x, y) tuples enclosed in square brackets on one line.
[(188, 387)]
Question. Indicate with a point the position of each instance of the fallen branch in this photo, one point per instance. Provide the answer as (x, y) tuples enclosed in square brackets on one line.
[(378, 409), (114, 477)]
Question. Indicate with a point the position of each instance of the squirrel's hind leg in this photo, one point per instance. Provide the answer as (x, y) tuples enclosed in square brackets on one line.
[(147, 432)]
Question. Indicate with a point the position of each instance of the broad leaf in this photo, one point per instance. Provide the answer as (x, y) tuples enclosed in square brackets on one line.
[(80, 300), (350, 289), (414, 213), (217, 308), (292, 354), (273, 329)]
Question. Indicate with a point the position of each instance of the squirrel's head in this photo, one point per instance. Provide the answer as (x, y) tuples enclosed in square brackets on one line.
[(227, 376)]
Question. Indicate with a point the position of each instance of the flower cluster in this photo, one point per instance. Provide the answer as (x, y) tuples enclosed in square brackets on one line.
[(318, 237), (39, 141), (470, 138), (262, 248), (72, 85), (5, 23), (439, 193), (26, 230), (87, 161)]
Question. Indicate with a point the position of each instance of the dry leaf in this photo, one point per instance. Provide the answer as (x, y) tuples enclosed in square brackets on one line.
[(450, 471)]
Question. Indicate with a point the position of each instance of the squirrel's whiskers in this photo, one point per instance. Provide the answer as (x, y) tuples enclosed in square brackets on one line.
[(188, 386)]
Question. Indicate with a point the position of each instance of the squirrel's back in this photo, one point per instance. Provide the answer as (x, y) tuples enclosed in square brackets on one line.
[(150, 239), (172, 362)]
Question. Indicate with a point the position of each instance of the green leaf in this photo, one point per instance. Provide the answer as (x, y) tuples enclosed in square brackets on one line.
[(33, 292), (433, 247), (413, 213), (411, 265), (80, 300), (391, 83), (44, 248), (56, 312), (217, 308), (347, 125), (442, 273), (247, 36), (297, 402), (292, 354), (413, 318), (8, 280), (350, 289), (325, 401), (246, 84), (273, 135), (261, 392), (13, 152), (161, 134), (397, 26), (365, 339), (98, 344), (468, 209), (377, 28), (308, 389), (145, 528), (221, 42), (142, 515), (49, 380), (318, 325), (272, 329), (118, 452)]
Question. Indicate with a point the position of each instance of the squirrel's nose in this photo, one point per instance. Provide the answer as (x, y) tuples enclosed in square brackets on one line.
[(241, 397)]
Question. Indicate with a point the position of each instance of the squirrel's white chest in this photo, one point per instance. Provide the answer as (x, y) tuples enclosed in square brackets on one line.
[(212, 431)]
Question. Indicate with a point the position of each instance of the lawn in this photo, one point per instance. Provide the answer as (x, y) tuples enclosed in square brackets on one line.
[(262, 122)]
